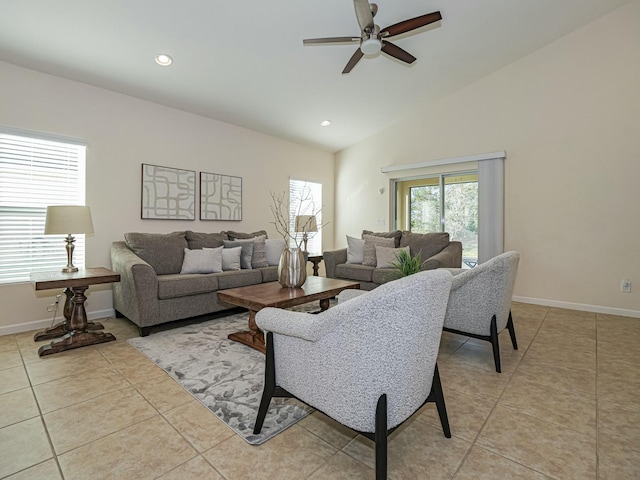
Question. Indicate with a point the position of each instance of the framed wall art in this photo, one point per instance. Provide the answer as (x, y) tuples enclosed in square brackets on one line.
[(220, 197), (168, 193)]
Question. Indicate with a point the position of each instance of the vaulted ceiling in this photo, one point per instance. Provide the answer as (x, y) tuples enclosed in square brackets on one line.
[(244, 62)]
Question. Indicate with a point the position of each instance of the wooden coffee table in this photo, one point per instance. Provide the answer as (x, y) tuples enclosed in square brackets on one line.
[(257, 297)]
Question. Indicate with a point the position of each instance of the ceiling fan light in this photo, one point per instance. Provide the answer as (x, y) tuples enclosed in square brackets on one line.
[(371, 46)]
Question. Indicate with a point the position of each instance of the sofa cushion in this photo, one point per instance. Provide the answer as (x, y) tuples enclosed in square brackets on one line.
[(370, 242), (386, 256), (269, 274), (202, 261), (177, 285), (355, 250), (426, 244), (244, 236), (352, 271), (247, 251), (384, 275), (164, 252), (396, 235), (273, 250), (200, 240), (238, 278)]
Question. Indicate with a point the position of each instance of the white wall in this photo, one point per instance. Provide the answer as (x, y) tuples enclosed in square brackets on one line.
[(124, 132), (568, 116)]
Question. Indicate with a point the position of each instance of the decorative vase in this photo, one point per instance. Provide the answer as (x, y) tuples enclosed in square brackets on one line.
[(292, 269)]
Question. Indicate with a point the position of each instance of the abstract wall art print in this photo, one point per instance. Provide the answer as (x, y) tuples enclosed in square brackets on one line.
[(168, 193), (220, 197)]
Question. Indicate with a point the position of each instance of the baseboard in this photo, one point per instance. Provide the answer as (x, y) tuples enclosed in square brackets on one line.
[(42, 324), (579, 306)]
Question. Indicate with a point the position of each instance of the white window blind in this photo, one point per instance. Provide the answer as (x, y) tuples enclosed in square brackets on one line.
[(35, 173), (305, 198)]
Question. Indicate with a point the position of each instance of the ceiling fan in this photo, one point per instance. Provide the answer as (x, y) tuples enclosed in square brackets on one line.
[(372, 38)]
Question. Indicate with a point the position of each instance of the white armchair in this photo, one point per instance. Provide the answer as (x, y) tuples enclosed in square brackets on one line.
[(369, 362), (480, 301)]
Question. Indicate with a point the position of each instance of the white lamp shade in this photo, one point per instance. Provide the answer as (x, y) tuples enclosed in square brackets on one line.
[(306, 223), (68, 219)]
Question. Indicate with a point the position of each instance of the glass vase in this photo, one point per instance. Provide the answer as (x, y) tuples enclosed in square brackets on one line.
[(292, 269)]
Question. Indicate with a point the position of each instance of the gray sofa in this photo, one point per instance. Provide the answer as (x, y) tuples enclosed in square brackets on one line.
[(152, 290), (436, 250)]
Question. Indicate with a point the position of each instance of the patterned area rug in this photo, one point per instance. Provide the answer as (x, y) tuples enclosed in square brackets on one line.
[(225, 376)]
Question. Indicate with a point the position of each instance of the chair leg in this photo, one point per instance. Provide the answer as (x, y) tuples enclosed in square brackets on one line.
[(438, 395), (269, 384), (381, 438), (493, 338), (512, 332)]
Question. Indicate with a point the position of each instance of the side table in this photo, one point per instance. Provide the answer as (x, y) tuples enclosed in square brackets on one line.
[(75, 330), (315, 259)]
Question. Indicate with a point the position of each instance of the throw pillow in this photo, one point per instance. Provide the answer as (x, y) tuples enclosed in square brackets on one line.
[(231, 258), (201, 240), (355, 250), (259, 255), (246, 254), (274, 248), (202, 261), (385, 256), (245, 236), (370, 242), (396, 235)]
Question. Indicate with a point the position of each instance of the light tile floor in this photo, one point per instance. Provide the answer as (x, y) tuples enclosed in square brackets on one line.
[(567, 406)]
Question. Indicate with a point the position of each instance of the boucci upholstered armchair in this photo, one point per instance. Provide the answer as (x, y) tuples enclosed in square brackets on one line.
[(480, 301), (369, 362)]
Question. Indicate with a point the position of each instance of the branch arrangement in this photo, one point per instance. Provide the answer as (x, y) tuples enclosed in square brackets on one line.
[(280, 209)]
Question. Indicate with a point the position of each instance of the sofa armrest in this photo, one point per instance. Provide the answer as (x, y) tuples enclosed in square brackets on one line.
[(332, 258), (136, 295), (449, 257)]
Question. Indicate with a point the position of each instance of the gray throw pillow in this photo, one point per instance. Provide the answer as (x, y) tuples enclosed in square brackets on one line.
[(274, 248), (370, 242), (247, 252), (386, 256), (231, 258), (202, 261), (355, 250), (259, 254)]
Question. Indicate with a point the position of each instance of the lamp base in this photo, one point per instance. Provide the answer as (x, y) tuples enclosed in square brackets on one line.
[(69, 269)]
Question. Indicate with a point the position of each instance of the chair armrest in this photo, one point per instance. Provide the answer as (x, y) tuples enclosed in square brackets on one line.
[(348, 294), (332, 258), (292, 324), (449, 257), (136, 295)]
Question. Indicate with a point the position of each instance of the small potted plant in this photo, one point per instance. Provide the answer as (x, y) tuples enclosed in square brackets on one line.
[(406, 264)]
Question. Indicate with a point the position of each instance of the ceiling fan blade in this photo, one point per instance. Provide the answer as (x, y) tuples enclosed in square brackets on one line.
[(363, 14), (397, 52), (353, 60), (316, 41), (411, 24)]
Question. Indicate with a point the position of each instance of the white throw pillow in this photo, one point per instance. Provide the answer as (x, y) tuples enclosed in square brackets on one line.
[(355, 250), (274, 248), (385, 256), (202, 261)]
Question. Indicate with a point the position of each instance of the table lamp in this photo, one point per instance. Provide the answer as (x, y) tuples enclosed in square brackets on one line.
[(306, 224), (68, 219)]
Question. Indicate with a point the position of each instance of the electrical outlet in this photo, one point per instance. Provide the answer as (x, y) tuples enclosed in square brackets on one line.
[(380, 222), (625, 285)]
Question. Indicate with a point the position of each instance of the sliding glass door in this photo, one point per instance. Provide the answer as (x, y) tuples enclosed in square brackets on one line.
[(443, 203)]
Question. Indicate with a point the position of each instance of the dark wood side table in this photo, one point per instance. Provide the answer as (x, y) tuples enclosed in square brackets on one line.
[(315, 259), (75, 330)]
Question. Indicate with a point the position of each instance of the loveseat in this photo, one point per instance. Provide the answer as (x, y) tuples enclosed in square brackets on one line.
[(162, 276), (367, 259)]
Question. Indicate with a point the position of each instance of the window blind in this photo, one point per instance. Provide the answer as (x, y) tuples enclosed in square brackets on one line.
[(35, 173), (305, 198)]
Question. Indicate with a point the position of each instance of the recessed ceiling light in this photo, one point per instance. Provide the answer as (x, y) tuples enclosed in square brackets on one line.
[(325, 123), (164, 60)]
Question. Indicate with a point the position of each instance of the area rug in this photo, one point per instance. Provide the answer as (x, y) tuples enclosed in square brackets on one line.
[(225, 376)]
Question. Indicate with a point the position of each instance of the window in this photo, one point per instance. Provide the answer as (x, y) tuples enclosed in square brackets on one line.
[(444, 203), (306, 199), (34, 173)]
